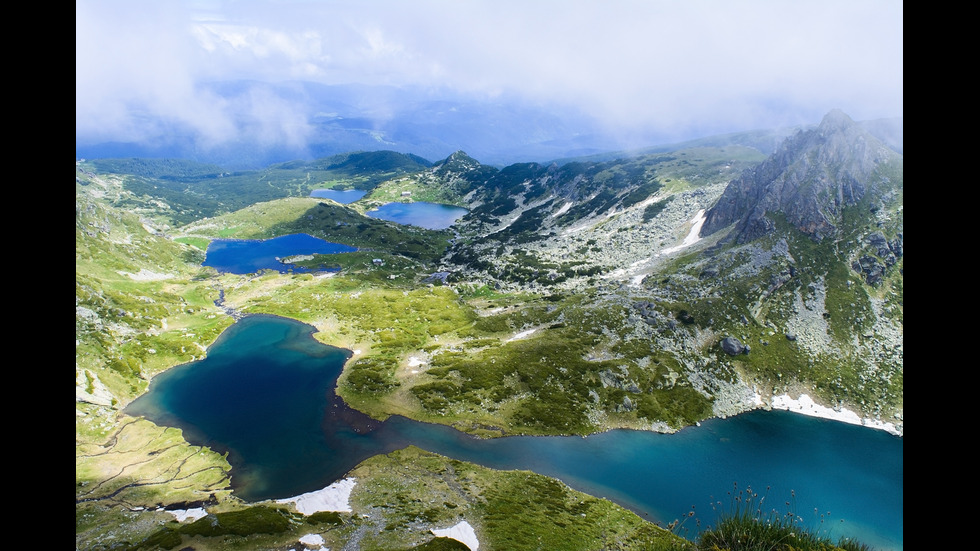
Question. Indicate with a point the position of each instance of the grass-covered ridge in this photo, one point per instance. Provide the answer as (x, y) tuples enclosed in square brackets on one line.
[(399, 498), (142, 305), (189, 191), (523, 319)]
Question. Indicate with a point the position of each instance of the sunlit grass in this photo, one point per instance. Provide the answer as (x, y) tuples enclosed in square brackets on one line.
[(750, 523)]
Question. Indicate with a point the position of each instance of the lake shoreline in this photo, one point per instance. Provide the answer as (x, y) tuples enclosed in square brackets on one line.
[(804, 405)]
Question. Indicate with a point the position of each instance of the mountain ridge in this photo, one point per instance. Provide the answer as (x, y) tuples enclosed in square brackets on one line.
[(812, 177), (573, 298)]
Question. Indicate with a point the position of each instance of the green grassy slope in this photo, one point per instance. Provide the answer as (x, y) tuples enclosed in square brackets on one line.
[(144, 304)]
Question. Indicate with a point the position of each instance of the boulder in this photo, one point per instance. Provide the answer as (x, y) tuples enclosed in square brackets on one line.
[(732, 346)]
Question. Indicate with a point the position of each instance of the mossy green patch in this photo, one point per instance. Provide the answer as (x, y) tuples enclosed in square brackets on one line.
[(507, 509), (253, 520)]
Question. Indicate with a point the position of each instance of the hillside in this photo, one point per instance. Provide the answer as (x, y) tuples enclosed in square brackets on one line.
[(144, 304), (637, 314), (651, 291), (185, 191)]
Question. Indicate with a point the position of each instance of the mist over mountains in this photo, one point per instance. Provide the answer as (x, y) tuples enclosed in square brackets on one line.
[(306, 120)]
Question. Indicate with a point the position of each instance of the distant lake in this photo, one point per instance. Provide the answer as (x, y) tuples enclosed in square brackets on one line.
[(343, 197), (265, 394), (246, 256), (431, 216)]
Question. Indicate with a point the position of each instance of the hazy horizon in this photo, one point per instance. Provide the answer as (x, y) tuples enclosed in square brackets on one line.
[(213, 75)]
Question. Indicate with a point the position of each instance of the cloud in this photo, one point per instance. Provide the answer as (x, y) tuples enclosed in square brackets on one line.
[(134, 74), (634, 65)]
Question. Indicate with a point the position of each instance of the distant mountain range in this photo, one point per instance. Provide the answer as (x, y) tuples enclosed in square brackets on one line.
[(328, 120), (647, 289)]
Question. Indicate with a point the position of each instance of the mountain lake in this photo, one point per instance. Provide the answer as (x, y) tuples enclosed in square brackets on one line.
[(265, 394), (246, 256), (431, 216), (341, 196)]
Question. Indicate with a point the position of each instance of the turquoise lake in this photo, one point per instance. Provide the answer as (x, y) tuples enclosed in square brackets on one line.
[(265, 394), (431, 216)]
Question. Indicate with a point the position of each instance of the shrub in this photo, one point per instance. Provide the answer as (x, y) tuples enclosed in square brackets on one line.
[(254, 520), (747, 527)]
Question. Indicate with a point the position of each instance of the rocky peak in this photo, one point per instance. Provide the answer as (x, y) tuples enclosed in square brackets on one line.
[(459, 160), (834, 121), (811, 179), (462, 172)]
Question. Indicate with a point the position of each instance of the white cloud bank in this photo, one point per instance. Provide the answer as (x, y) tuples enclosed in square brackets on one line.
[(142, 69)]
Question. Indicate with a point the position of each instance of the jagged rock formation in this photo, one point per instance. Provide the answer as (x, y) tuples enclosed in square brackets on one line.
[(811, 179)]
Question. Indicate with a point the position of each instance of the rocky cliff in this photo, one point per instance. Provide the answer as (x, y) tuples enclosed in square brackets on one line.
[(811, 179)]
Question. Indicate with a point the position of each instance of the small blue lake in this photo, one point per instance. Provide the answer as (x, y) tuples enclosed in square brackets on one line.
[(431, 216), (341, 196), (246, 256), (265, 395)]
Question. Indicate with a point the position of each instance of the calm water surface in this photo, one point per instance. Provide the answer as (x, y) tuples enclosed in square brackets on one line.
[(343, 197), (246, 256), (431, 216), (265, 395)]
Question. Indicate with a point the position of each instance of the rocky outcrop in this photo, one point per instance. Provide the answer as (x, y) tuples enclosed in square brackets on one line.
[(880, 254), (811, 179), (733, 346)]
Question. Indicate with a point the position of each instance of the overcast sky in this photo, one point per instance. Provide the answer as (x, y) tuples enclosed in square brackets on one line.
[(673, 66)]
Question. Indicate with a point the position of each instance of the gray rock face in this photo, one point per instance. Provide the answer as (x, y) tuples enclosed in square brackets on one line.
[(732, 346), (810, 179), (883, 254)]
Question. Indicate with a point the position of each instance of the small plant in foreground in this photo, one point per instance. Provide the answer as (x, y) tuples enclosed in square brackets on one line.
[(748, 527)]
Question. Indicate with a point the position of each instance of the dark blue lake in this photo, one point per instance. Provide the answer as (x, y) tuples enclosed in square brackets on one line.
[(431, 216), (265, 395), (246, 256), (343, 197)]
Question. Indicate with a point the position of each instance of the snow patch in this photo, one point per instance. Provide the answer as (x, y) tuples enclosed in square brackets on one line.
[(335, 497), (147, 275), (806, 406), (311, 540), (692, 236), (462, 532), (521, 335), (564, 208), (188, 514)]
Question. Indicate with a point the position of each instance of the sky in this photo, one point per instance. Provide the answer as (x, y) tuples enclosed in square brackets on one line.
[(655, 66)]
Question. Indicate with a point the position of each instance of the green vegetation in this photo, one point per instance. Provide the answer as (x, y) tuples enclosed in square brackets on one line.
[(506, 339), (167, 169), (422, 186), (508, 509), (535, 370), (196, 242), (653, 209), (343, 225), (442, 544), (254, 520), (190, 191), (745, 526)]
